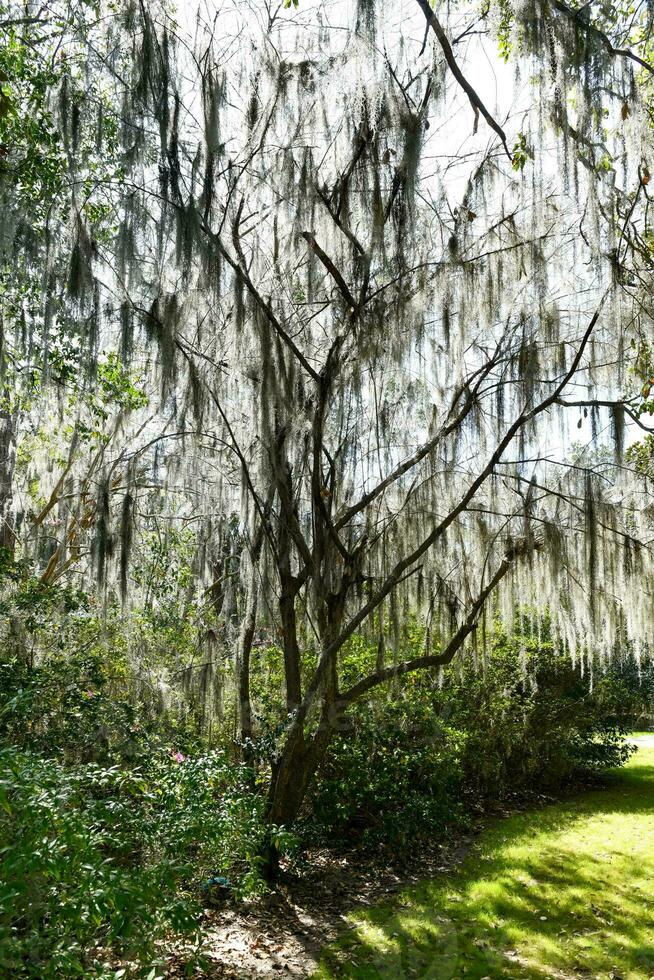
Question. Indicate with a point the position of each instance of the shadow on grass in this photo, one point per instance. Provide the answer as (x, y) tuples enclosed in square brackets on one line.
[(566, 891)]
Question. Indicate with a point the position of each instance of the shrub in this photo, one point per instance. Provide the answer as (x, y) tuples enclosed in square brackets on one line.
[(87, 681), (390, 782), (531, 718), (636, 682), (428, 755), (97, 859)]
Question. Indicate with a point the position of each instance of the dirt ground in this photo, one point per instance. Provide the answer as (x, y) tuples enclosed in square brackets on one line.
[(282, 933)]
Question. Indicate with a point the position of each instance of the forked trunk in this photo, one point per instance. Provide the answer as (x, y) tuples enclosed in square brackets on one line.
[(302, 754)]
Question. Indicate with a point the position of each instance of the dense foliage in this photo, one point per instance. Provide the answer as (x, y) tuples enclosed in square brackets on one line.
[(100, 862), (434, 754)]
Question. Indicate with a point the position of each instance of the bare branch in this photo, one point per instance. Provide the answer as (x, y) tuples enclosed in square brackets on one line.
[(475, 101)]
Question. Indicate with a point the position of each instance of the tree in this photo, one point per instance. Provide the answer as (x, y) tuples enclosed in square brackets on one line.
[(375, 301), (52, 156)]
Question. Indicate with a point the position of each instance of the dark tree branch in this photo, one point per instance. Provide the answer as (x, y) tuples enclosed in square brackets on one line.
[(427, 447), (336, 218), (331, 269), (606, 403), (456, 642), (475, 101), (265, 307)]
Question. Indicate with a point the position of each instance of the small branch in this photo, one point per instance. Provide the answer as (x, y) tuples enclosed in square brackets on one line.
[(605, 403), (476, 103), (265, 307), (339, 224), (20, 21), (331, 269)]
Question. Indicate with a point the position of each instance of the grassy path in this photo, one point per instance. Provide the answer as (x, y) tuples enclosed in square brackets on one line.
[(566, 892)]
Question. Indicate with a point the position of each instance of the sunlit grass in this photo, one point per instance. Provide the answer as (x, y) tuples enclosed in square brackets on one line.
[(567, 891)]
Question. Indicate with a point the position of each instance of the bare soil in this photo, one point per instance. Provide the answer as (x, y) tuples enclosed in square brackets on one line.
[(282, 933)]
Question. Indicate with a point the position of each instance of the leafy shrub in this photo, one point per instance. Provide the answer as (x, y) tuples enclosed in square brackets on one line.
[(428, 754), (393, 780), (74, 705), (82, 699), (532, 718), (636, 682), (97, 859), (92, 682)]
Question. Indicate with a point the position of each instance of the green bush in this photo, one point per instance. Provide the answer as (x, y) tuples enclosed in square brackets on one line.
[(89, 682), (391, 781), (636, 710), (530, 719), (83, 700), (70, 705), (429, 754), (97, 859)]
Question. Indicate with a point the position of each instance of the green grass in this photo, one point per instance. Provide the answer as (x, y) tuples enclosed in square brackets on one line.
[(567, 891)]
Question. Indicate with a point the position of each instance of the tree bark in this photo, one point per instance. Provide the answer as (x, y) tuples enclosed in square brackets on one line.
[(301, 755), (292, 775), (244, 651), (7, 462)]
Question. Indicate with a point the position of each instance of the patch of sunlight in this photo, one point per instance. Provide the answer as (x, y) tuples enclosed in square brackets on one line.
[(566, 892)]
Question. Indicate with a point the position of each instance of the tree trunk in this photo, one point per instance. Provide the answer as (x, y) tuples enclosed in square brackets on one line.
[(291, 778), (301, 757), (7, 463), (243, 665), (290, 645), (245, 640)]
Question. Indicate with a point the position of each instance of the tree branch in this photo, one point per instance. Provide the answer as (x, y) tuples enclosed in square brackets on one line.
[(476, 103), (331, 269), (576, 17), (456, 642), (605, 403)]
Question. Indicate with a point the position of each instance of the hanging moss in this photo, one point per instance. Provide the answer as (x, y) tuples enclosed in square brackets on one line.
[(445, 295), (126, 333), (254, 104), (80, 268), (104, 541), (213, 97), (618, 427), (161, 327), (126, 528)]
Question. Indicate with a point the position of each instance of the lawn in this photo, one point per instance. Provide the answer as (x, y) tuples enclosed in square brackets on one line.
[(567, 891)]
